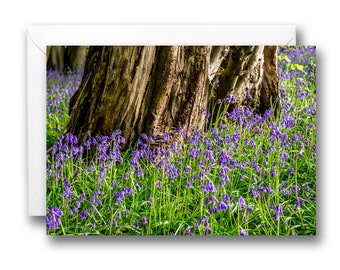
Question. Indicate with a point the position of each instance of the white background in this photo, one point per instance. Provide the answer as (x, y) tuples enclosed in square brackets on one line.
[(23, 239)]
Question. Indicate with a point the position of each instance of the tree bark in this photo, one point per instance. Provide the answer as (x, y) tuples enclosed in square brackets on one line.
[(75, 57), (157, 89), (136, 89), (55, 57), (249, 76), (63, 57)]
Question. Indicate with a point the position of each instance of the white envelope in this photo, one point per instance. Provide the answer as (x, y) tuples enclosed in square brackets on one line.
[(38, 37)]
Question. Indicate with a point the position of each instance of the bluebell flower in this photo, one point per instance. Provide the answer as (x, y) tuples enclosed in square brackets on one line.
[(298, 203), (53, 219), (256, 166), (134, 162), (187, 230), (207, 230), (222, 206), (209, 200), (114, 223), (254, 192), (83, 215), (199, 222), (209, 187), (291, 171), (158, 184), (150, 201), (241, 203), (224, 174), (67, 190), (166, 137), (119, 197), (216, 84), (140, 173), (273, 173), (194, 152), (186, 169), (102, 173), (243, 232), (200, 175), (278, 212)]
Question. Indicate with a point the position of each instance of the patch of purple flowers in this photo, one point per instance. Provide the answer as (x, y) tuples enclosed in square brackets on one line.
[(53, 218)]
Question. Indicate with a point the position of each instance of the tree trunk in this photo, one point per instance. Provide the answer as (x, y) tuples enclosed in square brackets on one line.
[(158, 89), (75, 56), (249, 78), (55, 57), (63, 57)]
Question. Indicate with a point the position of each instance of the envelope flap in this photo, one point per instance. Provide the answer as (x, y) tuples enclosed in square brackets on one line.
[(162, 35)]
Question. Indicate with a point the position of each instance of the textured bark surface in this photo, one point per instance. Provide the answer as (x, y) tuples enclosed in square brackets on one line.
[(269, 91), (140, 89), (157, 89), (55, 56), (63, 57), (249, 74), (75, 56)]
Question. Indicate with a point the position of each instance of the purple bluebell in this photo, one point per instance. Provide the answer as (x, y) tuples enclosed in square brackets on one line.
[(254, 192), (187, 231), (250, 143), (294, 189), (102, 173), (158, 184), (273, 173), (209, 187), (53, 219), (291, 171), (224, 174), (256, 166), (200, 175), (119, 197), (114, 223), (166, 137), (209, 200), (187, 169), (222, 206), (241, 203), (83, 215), (207, 229), (194, 152), (134, 162), (216, 84), (298, 203), (243, 232), (199, 222), (278, 212), (67, 190), (150, 201)]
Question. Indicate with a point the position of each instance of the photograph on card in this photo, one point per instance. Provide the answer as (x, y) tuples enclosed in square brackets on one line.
[(181, 140)]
